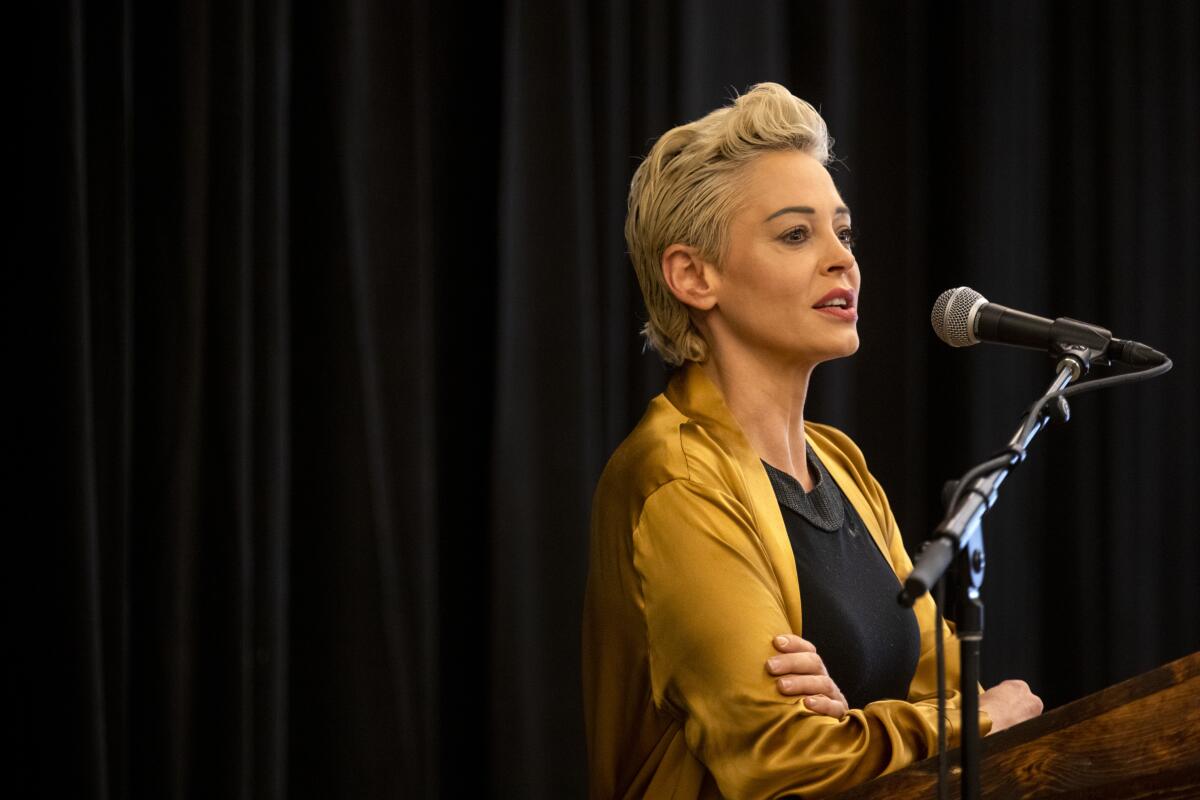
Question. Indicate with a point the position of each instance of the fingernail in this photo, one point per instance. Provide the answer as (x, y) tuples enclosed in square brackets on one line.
[(773, 664), (781, 641), (808, 701), (785, 683)]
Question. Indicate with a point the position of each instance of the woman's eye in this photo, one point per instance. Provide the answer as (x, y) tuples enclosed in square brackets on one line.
[(796, 235), (847, 237)]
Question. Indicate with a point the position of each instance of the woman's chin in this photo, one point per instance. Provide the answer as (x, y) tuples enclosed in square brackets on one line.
[(843, 349), (812, 353)]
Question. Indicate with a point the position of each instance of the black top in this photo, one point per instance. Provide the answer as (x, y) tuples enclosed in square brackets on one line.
[(870, 643)]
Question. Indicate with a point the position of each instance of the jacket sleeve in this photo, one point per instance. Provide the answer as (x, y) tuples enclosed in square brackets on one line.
[(712, 605)]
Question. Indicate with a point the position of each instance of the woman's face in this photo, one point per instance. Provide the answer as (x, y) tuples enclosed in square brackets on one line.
[(788, 286)]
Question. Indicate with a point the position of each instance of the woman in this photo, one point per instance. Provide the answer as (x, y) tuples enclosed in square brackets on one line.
[(725, 513)]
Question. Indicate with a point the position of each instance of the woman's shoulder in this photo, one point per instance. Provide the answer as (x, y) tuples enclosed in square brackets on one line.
[(648, 456), (833, 444), (835, 447), (836, 442), (666, 446)]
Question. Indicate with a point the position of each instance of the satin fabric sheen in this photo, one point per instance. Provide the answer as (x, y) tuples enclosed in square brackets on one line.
[(691, 575)]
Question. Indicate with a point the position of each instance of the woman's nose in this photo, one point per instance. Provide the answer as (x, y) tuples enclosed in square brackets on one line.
[(839, 258)]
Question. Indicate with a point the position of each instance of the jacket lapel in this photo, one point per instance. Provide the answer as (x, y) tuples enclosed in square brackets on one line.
[(700, 400)]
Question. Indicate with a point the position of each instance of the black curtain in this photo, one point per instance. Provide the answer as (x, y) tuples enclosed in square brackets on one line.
[(324, 330)]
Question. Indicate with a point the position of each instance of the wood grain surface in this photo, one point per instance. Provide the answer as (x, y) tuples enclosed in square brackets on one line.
[(1136, 739)]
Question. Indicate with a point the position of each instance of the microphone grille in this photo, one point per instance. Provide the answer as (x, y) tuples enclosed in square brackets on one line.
[(952, 317)]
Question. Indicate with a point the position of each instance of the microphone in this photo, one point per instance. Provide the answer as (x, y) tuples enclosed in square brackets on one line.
[(963, 317)]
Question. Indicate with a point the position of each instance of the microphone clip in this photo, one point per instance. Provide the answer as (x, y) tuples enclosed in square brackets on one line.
[(1079, 344)]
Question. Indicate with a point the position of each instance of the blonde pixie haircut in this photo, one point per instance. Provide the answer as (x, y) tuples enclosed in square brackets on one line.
[(687, 189)]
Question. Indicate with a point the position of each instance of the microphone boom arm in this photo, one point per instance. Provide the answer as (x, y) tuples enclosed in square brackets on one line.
[(975, 496)]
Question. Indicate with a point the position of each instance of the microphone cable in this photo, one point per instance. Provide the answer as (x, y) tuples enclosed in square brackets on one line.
[(1015, 454)]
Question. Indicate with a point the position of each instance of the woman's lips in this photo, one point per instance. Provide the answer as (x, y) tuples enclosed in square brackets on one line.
[(849, 314)]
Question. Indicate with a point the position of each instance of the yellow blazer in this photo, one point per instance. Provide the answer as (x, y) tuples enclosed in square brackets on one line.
[(691, 575)]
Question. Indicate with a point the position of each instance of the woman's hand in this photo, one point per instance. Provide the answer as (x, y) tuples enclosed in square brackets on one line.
[(801, 671), (1009, 703)]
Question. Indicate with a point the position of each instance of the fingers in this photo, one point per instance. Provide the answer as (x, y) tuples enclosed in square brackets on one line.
[(1017, 692), (1009, 703), (1015, 684), (796, 663), (802, 672), (1030, 703), (790, 643), (793, 685), (825, 705)]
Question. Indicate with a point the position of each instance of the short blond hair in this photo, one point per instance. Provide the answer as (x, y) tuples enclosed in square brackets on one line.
[(686, 190)]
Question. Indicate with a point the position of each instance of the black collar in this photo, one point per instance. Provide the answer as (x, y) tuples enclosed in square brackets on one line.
[(822, 507)]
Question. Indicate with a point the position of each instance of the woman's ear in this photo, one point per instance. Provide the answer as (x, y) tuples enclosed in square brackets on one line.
[(692, 280)]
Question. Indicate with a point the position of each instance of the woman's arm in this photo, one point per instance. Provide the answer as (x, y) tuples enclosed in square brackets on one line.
[(801, 673), (711, 602)]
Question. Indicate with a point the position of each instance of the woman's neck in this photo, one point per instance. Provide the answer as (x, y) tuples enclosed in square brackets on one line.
[(767, 401)]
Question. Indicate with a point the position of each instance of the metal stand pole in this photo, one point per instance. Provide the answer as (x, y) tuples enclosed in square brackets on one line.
[(970, 637), (959, 539)]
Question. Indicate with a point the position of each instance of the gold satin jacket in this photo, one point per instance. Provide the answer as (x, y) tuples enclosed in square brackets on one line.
[(691, 575)]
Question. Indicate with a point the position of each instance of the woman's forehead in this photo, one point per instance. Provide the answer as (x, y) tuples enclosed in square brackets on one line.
[(783, 179)]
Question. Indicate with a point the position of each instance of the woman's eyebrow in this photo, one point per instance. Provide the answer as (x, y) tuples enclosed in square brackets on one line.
[(837, 212)]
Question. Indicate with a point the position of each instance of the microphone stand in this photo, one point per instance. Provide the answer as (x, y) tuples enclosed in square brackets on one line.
[(959, 538)]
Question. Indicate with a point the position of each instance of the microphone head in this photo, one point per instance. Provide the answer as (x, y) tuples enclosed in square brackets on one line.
[(953, 316)]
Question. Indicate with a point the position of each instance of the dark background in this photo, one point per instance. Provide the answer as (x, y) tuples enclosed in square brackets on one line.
[(324, 330)]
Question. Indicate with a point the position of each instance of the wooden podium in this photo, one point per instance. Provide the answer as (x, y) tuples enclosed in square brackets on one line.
[(1138, 738)]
